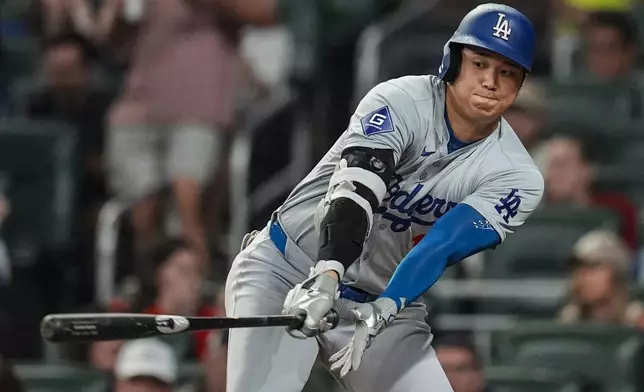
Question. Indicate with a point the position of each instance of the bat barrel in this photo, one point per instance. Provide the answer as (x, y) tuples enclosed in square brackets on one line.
[(95, 327)]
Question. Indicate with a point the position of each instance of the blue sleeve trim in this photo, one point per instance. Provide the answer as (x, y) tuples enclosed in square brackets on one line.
[(461, 233)]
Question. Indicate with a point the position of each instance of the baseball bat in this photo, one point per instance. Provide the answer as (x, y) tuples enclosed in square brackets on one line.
[(62, 328)]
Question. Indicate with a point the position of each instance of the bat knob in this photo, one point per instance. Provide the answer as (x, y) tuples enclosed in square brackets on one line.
[(332, 318), (49, 327)]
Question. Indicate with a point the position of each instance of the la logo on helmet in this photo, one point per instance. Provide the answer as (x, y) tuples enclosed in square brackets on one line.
[(502, 29)]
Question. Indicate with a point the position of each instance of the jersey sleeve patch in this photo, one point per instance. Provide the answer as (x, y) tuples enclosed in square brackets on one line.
[(378, 121), (508, 206)]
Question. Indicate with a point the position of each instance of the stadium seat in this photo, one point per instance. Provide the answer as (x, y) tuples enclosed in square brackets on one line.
[(56, 378), (20, 57), (411, 56), (609, 355), (17, 9), (39, 161), (69, 378), (530, 379), (623, 179), (606, 140), (637, 293), (541, 248), (595, 101)]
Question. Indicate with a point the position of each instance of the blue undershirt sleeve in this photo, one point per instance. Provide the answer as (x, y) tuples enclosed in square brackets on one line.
[(462, 232)]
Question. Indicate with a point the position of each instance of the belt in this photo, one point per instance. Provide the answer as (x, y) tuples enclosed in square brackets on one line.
[(279, 238)]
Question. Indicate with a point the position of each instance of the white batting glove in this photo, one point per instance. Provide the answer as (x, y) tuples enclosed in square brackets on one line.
[(371, 319), (313, 298)]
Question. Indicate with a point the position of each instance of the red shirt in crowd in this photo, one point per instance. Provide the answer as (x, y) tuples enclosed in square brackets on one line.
[(627, 211)]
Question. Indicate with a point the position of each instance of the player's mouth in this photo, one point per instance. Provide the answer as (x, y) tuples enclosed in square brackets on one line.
[(489, 98), (485, 104)]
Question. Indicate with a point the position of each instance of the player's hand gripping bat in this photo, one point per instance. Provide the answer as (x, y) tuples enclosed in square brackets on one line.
[(60, 328)]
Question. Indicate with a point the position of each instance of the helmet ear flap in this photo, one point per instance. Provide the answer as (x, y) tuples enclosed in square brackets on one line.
[(455, 58)]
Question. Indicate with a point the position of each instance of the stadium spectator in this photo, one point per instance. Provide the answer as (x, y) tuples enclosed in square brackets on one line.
[(528, 114), (173, 285), (50, 18), (570, 16), (460, 361), (168, 126), (601, 267), (146, 365), (611, 42), (70, 96), (568, 178), (9, 382)]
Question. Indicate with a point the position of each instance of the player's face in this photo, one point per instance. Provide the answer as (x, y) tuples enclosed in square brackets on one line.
[(486, 86)]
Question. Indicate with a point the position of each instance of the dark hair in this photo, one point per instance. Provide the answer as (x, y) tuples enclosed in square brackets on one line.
[(87, 49), (462, 340), (622, 22), (160, 253), (157, 256)]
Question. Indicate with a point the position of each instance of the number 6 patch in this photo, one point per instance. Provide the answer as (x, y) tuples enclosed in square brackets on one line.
[(378, 121)]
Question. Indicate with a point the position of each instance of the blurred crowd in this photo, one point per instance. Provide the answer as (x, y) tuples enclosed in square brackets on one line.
[(153, 94)]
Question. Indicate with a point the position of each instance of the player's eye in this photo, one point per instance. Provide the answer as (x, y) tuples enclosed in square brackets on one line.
[(477, 64), (507, 72)]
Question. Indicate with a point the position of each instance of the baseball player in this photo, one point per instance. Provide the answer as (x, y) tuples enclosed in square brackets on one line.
[(427, 173)]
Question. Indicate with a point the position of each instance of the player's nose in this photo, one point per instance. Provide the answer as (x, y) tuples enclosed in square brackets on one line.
[(489, 80)]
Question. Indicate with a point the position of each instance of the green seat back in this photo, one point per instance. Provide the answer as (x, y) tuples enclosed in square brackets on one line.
[(607, 354), (542, 246), (57, 378), (15, 9), (594, 100), (40, 162), (606, 140), (20, 57), (530, 379), (70, 378)]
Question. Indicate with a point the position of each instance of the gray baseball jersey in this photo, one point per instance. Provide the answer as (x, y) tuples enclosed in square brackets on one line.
[(496, 176)]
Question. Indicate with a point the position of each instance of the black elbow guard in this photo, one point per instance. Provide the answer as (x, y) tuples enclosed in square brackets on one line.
[(342, 232)]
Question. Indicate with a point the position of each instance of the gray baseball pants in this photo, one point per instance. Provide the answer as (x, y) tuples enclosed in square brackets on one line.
[(400, 359)]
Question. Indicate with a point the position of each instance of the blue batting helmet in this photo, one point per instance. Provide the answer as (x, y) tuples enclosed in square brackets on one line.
[(496, 27)]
